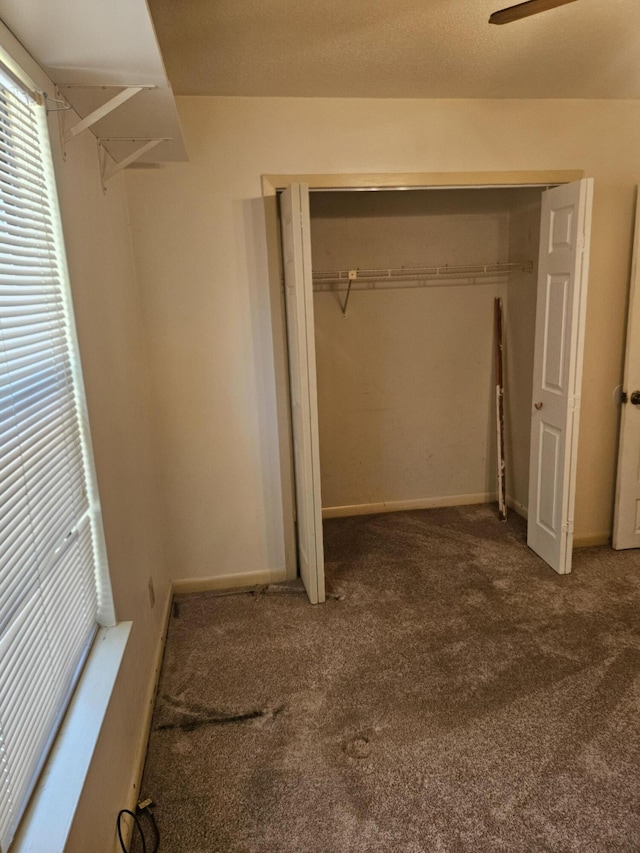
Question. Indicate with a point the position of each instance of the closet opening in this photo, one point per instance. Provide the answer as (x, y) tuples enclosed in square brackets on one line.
[(391, 352), (405, 375)]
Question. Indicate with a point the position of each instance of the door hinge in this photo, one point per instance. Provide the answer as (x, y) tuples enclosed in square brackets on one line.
[(574, 402), (567, 527), (582, 242)]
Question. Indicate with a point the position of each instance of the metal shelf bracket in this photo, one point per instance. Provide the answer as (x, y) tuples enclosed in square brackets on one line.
[(109, 168), (126, 93)]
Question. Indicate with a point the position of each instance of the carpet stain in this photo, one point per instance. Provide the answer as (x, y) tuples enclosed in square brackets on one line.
[(191, 715), (212, 720), (294, 588), (358, 747)]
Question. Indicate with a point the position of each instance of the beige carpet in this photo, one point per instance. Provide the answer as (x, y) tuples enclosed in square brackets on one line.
[(454, 694)]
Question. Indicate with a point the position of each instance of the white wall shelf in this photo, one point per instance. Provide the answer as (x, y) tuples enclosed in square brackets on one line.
[(106, 64)]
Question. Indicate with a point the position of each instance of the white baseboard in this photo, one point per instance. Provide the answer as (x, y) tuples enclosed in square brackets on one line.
[(399, 506), (517, 507), (587, 541), (592, 539), (145, 729), (229, 581)]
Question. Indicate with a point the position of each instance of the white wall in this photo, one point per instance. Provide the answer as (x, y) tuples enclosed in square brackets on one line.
[(409, 228), (405, 380), (199, 234), (115, 366)]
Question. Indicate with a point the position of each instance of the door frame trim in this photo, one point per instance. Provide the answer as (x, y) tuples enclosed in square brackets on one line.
[(274, 183), (619, 535)]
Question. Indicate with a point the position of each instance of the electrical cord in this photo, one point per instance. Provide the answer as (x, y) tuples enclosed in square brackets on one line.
[(156, 831), (144, 807), (137, 825)]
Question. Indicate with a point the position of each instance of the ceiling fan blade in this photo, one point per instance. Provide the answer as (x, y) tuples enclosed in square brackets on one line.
[(523, 10)]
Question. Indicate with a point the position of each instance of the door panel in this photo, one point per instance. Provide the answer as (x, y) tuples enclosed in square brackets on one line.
[(626, 523), (550, 448), (560, 316), (555, 334), (296, 249)]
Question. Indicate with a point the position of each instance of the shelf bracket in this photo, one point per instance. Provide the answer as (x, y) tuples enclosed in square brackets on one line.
[(352, 275), (108, 107), (107, 172)]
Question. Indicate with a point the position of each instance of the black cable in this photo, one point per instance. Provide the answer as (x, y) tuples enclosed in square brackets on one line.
[(136, 824), (145, 807), (155, 829)]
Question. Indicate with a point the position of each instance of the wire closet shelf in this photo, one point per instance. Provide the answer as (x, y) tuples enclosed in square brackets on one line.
[(401, 277), (371, 279)]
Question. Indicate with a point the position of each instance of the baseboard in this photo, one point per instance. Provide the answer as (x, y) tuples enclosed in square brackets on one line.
[(399, 506), (229, 581), (145, 729), (592, 539), (517, 507), (578, 541)]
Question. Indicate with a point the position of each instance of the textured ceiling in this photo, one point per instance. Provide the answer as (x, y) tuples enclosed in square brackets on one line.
[(398, 49)]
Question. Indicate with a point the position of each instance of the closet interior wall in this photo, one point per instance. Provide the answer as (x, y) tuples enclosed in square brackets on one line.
[(405, 380)]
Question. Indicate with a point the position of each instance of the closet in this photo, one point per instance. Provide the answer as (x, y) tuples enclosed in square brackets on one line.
[(406, 395), (389, 299)]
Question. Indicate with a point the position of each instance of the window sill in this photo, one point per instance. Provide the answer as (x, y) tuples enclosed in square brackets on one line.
[(47, 821)]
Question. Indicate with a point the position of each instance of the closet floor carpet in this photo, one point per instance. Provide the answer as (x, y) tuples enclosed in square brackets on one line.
[(453, 694)]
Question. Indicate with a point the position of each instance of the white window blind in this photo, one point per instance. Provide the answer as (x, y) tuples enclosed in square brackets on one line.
[(54, 587)]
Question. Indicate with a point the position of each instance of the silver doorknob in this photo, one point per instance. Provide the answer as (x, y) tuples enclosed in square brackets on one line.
[(635, 398)]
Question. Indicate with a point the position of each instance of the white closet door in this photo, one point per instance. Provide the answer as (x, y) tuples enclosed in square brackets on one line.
[(560, 316), (626, 523), (296, 248)]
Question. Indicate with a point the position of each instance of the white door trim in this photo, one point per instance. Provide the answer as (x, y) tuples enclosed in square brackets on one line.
[(274, 183), (626, 519), (296, 249)]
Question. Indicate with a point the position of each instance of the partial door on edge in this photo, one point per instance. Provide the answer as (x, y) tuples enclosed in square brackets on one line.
[(626, 523), (560, 318), (296, 249)]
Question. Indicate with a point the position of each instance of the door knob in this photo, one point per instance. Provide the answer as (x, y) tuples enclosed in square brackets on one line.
[(635, 398)]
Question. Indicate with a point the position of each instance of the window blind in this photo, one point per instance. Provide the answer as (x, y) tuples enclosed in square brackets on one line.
[(53, 582)]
